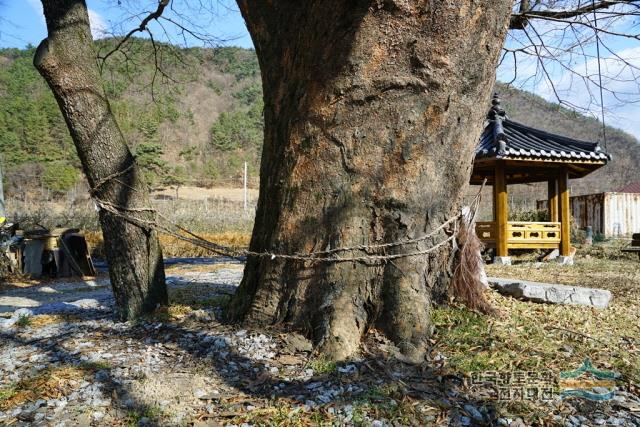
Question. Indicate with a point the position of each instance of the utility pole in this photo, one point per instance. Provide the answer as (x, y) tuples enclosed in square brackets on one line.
[(3, 212), (245, 187)]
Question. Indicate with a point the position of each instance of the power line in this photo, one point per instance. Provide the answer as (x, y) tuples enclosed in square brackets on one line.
[(604, 127)]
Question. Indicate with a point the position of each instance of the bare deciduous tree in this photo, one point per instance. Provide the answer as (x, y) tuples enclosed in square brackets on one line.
[(371, 118), (66, 60), (372, 112)]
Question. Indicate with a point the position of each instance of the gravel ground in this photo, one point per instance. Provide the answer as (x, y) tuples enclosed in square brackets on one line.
[(86, 368)]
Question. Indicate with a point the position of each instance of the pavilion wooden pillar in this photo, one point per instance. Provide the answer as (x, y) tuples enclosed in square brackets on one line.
[(552, 201), (565, 213), (501, 209)]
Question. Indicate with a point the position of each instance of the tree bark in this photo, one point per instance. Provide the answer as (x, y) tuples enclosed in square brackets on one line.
[(67, 61), (372, 111)]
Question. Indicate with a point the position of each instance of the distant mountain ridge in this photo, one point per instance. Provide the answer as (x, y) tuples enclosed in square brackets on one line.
[(202, 119), (195, 122)]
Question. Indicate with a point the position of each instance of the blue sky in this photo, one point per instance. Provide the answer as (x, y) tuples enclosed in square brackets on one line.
[(565, 78), (22, 23)]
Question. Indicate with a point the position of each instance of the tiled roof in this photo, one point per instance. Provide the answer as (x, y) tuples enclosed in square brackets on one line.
[(634, 187), (506, 139)]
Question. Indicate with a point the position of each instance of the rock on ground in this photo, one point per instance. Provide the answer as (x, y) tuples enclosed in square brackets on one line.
[(552, 293)]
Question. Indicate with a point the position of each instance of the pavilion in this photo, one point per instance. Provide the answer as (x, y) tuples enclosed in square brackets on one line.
[(512, 153)]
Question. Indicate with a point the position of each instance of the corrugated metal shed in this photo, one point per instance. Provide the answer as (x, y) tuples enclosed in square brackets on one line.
[(589, 210), (622, 214), (612, 214)]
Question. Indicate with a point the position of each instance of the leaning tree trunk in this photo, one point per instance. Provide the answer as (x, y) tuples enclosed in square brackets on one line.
[(372, 111), (67, 61)]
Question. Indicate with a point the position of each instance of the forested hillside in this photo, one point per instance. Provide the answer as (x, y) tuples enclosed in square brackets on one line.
[(197, 119)]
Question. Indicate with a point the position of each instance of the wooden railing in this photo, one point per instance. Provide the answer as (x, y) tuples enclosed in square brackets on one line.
[(525, 235), (522, 235)]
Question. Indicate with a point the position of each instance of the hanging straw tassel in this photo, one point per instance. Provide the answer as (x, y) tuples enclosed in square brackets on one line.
[(469, 278)]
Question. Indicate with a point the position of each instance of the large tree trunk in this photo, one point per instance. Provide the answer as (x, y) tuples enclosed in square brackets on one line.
[(67, 61), (372, 112)]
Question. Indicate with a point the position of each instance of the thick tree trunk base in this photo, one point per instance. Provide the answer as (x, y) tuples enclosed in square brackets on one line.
[(372, 113), (335, 304)]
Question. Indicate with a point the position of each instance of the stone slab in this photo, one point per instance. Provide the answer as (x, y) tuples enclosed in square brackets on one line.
[(502, 260), (565, 260), (551, 293), (555, 253)]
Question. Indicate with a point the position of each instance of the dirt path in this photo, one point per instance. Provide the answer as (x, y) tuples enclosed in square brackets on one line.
[(50, 297), (44, 295)]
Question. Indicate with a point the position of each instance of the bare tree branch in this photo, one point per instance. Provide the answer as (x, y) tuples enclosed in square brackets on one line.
[(162, 4), (566, 50), (519, 20)]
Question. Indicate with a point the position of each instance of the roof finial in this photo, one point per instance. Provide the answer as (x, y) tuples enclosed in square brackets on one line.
[(496, 109), (496, 99)]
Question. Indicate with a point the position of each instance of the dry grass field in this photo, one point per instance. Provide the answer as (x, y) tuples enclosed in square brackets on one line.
[(216, 193)]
